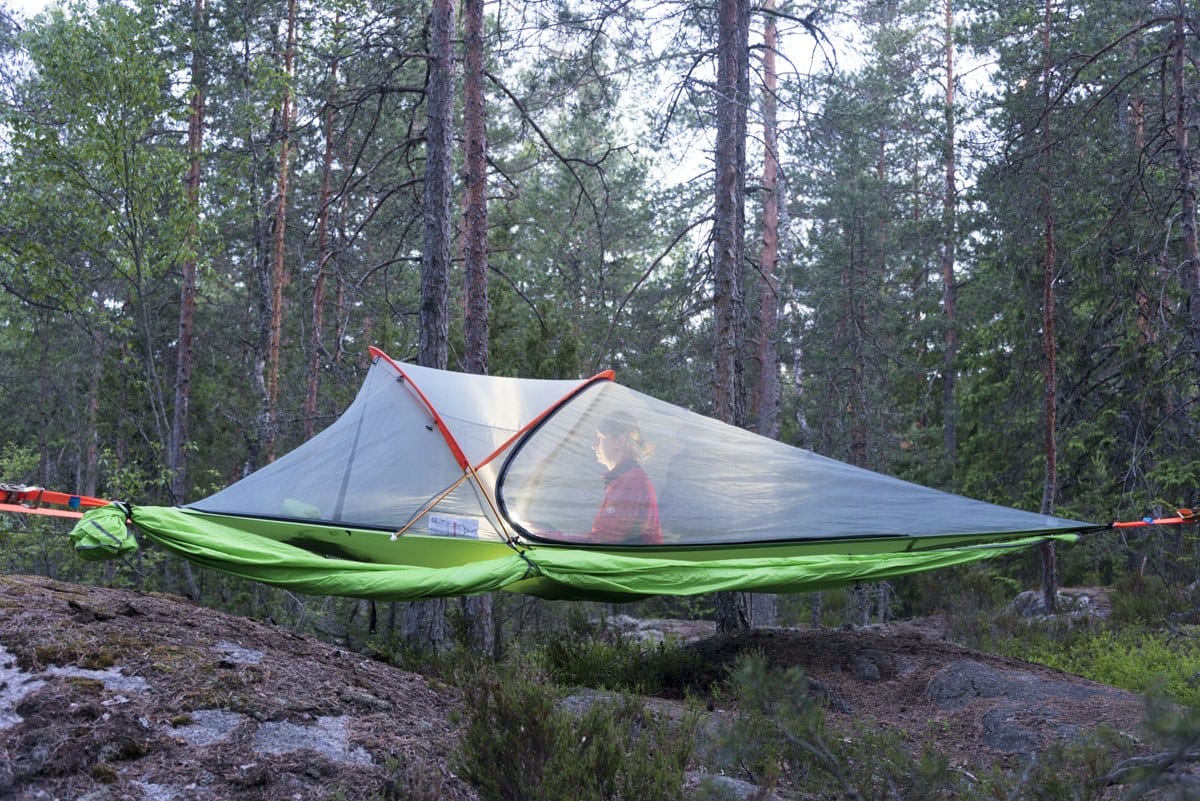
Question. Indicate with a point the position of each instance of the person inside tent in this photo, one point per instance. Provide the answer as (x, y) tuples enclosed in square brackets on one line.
[(629, 512), (628, 515)]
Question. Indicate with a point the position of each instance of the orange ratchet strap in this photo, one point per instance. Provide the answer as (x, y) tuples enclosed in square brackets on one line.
[(29, 500), (1183, 516)]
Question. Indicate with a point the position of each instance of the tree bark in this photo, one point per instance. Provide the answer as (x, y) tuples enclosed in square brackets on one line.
[(733, 610), (278, 271), (1190, 269), (177, 448), (762, 605), (424, 624), (478, 610), (768, 356), (324, 255), (434, 335), (949, 281), (1050, 380), (730, 211), (91, 462), (475, 212)]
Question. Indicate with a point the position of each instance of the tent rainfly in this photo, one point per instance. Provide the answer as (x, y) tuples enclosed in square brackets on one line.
[(434, 483)]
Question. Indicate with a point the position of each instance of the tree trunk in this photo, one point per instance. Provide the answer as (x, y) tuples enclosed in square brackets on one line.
[(768, 356), (949, 235), (1050, 381), (278, 272), (424, 625), (177, 448), (763, 606), (475, 212), (733, 610), (324, 254), (478, 609), (1190, 269), (91, 462), (434, 332)]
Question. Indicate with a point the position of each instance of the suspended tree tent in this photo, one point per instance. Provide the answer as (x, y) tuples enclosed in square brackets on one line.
[(434, 483)]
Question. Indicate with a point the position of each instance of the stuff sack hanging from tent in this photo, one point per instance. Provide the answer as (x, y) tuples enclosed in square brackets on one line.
[(433, 469)]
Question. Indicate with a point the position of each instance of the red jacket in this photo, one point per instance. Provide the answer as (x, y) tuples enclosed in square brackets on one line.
[(629, 514)]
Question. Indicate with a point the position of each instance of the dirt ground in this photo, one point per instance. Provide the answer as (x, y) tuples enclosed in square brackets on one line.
[(110, 694)]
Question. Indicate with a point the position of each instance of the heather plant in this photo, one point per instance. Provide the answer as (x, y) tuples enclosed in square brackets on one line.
[(781, 738), (1137, 659), (521, 743), (780, 734), (590, 656)]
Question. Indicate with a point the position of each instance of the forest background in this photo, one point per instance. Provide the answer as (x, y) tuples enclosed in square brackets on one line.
[(963, 249)]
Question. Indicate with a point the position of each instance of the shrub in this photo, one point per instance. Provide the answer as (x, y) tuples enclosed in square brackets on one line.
[(780, 733), (595, 658), (1138, 660), (1143, 599), (520, 743)]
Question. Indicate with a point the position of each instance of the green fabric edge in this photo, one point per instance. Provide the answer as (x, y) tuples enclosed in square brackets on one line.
[(596, 572), (548, 571)]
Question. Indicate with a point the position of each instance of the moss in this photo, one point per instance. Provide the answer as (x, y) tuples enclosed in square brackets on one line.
[(87, 685), (106, 774), (100, 660), (129, 750)]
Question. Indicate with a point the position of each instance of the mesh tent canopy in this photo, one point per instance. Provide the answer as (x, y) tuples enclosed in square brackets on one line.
[(432, 470)]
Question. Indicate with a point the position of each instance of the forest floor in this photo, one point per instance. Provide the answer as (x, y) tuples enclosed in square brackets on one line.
[(111, 694)]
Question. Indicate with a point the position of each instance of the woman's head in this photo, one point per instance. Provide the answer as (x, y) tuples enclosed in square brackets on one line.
[(618, 438)]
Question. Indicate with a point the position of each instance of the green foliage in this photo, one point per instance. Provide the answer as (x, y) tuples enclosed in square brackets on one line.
[(18, 464), (521, 744), (1140, 660), (1139, 600), (958, 593), (589, 656), (780, 731), (781, 737)]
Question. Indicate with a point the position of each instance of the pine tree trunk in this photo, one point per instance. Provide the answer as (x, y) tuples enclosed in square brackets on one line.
[(1190, 269), (278, 271), (733, 610), (324, 255), (763, 606), (1050, 381), (949, 281), (475, 212), (424, 625), (91, 461), (177, 448), (478, 609)]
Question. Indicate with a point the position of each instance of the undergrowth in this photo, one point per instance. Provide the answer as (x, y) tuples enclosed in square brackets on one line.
[(780, 737), (522, 743), (1138, 648), (1140, 660), (591, 656)]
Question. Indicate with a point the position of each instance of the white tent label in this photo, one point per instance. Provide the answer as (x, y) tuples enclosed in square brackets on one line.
[(449, 526)]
